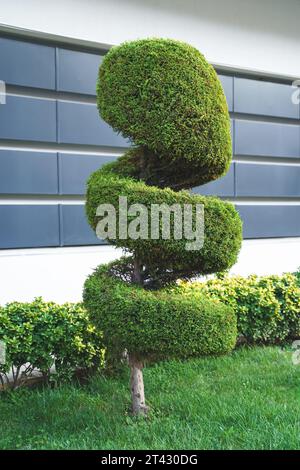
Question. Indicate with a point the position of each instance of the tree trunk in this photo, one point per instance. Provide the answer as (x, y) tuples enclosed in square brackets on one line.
[(137, 386), (137, 271), (136, 365)]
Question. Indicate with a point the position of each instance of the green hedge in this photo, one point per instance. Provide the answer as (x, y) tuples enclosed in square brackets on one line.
[(188, 320), (41, 334), (267, 308), (153, 324)]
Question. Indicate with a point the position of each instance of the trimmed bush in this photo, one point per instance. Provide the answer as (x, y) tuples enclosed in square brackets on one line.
[(222, 226), (157, 324), (41, 334), (168, 100), (267, 308)]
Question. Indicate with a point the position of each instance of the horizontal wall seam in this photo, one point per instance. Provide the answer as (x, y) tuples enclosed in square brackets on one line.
[(264, 118), (38, 93), (38, 200), (117, 152), (60, 147), (80, 200), (260, 201), (272, 161)]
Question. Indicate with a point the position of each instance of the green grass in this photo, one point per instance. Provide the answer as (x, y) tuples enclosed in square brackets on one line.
[(248, 400)]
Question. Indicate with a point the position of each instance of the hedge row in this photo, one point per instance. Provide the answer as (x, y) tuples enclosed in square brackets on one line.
[(41, 334), (267, 308)]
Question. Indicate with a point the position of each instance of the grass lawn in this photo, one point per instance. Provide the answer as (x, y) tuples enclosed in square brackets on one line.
[(248, 400)]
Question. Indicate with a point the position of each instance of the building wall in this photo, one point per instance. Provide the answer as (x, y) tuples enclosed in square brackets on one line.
[(45, 161), (262, 35)]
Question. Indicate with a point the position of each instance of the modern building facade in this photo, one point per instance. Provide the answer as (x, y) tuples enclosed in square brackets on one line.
[(51, 137)]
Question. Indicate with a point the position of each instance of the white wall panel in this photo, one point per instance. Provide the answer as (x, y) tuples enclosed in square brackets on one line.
[(58, 274)]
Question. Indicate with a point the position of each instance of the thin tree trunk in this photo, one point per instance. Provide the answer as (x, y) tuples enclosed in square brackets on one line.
[(136, 365), (137, 272), (137, 386)]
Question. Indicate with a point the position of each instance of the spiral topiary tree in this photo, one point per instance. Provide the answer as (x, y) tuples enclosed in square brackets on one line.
[(165, 97)]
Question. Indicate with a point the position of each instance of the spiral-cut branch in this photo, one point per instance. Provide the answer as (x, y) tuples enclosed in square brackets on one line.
[(164, 97)]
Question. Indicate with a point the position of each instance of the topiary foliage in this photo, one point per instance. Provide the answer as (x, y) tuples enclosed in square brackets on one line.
[(158, 323), (165, 96), (222, 226), (167, 99)]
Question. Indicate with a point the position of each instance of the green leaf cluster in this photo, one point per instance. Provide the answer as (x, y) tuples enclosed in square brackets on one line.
[(157, 324), (267, 307), (41, 334)]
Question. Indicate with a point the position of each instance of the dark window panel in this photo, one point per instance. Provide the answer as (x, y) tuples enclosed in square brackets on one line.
[(77, 71), (267, 139), (25, 118), (270, 221), (267, 180), (221, 187), (28, 172), (265, 98), (75, 229), (29, 226), (27, 64), (74, 170), (79, 123)]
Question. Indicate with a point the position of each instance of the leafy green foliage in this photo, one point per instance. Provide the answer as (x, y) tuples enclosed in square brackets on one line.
[(222, 226), (166, 97), (267, 308), (157, 324), (40, 334)]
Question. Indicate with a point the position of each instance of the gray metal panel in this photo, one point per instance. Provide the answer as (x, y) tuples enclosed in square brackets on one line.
[(80, 123), (270, 221), (74, 170), (28, 119), (27, 64), (266, 98), (75, 229), (29, 226), (28, 172), (222, 187), (227, 84), (267, 139), (77, 71), (267, 180)]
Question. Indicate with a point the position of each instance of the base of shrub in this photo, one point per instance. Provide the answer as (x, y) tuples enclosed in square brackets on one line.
[(157, 324)]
